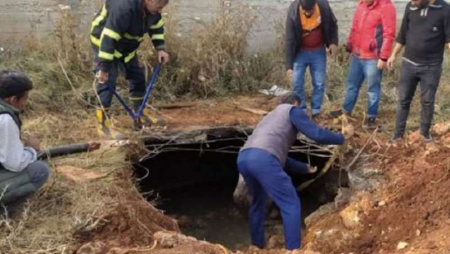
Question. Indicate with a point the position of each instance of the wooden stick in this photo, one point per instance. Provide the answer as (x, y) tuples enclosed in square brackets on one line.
[(253, 111)]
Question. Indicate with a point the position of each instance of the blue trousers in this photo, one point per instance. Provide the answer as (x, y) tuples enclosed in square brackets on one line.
[(317, 62), (264, 176), (133, 73), (360, 70)]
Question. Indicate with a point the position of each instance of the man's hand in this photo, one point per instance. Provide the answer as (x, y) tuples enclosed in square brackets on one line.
[(348, 47), (391, 62), (163, 57), (289, 74), (101, 76), (332, 49), (395, 52), (34, 143), (348, 131), (381, 64)]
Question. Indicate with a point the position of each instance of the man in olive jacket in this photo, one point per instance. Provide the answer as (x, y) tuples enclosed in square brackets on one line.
[(311, 32)]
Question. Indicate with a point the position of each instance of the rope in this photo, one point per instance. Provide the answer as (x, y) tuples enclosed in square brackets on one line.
[(337, 151)]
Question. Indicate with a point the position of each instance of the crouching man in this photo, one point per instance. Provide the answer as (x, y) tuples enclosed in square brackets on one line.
[(20, 174), (263, 157)]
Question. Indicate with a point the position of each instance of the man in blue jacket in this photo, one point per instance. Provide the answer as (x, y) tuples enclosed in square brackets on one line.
[(263, 157)]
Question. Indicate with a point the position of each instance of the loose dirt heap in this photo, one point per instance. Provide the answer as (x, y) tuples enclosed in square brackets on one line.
[(407, 214)]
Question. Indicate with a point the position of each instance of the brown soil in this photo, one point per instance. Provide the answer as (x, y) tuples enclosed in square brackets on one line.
[(417, 199), (413, 206)]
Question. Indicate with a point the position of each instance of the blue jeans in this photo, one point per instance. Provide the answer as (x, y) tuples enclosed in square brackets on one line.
[(264, 176), (317, 62), (133, 73), (360, 70)]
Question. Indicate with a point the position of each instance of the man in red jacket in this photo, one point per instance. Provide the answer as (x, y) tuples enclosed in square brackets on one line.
[(370, 43)]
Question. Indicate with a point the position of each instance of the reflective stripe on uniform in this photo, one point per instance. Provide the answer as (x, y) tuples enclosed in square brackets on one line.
[(111, 34), (158, 37), (95, 41), (106, 56), (109, 56), (100, 18), (131, 37), (159, 24), (130, 56)]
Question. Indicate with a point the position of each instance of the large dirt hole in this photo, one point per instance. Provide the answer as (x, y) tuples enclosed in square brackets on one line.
[(193, 180)]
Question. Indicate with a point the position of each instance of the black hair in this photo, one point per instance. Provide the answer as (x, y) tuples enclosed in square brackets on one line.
[(308, 4), (14, 83), (290, 98)]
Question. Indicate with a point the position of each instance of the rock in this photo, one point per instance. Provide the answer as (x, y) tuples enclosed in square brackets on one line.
[(275, 242), (343, 197), (171, 239), (414, 137), (241, 193), (381, 203), (366, 203), (441, 128), (350, 217), (370, 172), (319, 213), (402, 245), (445, 140), (431, 148), (92, 248)]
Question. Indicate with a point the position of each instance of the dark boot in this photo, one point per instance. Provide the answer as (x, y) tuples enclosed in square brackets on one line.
[(427, 138), (370, 123), (396, 138), (336, 113)]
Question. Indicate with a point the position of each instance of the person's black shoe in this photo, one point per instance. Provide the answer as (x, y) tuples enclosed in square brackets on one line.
[(396, 138), (370, 123), (336, 113), (316, 117), (427, 137)]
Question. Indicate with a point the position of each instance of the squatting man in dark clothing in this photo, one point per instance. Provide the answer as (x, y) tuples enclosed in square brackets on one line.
[(116, 33), (263, 157), (424, 33), (311, 32), (20, 174)]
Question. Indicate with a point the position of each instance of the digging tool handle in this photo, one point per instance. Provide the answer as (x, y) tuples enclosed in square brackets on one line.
[(149, 90), (124, 104)]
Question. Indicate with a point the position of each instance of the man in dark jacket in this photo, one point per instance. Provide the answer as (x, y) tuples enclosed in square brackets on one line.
[(424, 34), (263, 157), (311, 30), (116, 33)]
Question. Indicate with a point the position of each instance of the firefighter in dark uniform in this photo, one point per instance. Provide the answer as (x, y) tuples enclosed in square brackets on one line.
[(116, 33)]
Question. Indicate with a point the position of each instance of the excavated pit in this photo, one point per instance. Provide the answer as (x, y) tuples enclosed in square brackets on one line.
[(192, 178)]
